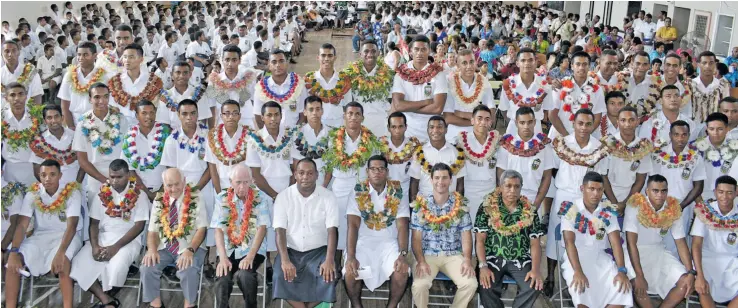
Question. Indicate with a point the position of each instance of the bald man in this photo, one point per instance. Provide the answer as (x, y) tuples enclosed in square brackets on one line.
[(165, 248), (241, 253)]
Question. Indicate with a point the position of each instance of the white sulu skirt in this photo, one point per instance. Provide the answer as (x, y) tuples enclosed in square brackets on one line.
[(660, 268), (378, 254), (600, 270), (40, 249), (113, 273)]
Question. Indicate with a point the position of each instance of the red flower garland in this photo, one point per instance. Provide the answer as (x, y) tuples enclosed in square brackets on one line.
[(418, 77)]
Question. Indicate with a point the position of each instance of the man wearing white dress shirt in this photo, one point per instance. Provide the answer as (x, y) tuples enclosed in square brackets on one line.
[(199, 50), (55, 240), (230, 149), (185, 250), (152, 46), (306, 219), (169, 99), (672, 66), (469, 91), (614, 101), (398, 144), (250, 58), (56, 143), (480, 151), (229, 75), (417, 98), (639, 83), (74, 102), (657, 128), (327, 78), (280, 83), (143, 146), (169, 50), (13, 69), (310, 139), (729, 107), (133, 83), (716, 150), (707, 89), (562, 115), (376, 107), (713, 247), (116, 221), (523, 89), (16, 151), (437, 150)]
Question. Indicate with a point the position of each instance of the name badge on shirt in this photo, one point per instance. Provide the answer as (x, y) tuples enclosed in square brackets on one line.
[(538, 107), (536, 164), (634, 166), (407, 167), (590, 168), (126, 216), (293, 106), (726, 167), (600, 234), (731, 238), (428, 90), (663, 232), (492, 163), (686, 173), (63, 216)]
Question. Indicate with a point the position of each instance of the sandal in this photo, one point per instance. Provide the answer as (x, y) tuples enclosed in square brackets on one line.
[(115, 303)]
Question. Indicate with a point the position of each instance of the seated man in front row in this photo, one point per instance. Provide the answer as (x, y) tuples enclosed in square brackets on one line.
[(177, 229), (306, 222), (442, 240), (508, 243), (56, 237), (714, 246), (378, 217)]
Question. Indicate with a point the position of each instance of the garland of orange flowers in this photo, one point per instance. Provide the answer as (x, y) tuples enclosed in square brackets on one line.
[(74, 79), (16, 139), (126, 205), (60, 204), (150, 92), (468, 101), (620, 149), (418, 77), (455, 166), (648, 217), (248, 222), (372, 219), (435, 222), (404, 155), (219, 149), (491, 206), (185, 220), (332, 96)]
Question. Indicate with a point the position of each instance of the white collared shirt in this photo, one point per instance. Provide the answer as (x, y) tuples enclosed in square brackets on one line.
[(597, 101), (289, 116), (399, 172), (306, 220), (569, 177), (81, 143), (34, 88), (247, 110), (79, 103), (512, 108), (414, 93), (69, 171), (678, 186), (588, 242), (50, 223), (349, 147), (713, 172), (310, 138), (389, 233), (167, 116), (249, 59), (118, 225), (620, 172), (195, 48), (48, 66), (271, 165), (663, 132), (151, 177), (715, 241), (192, 165), (332, 114), (151, 48), (650, 236), (20, 154), (531, 168), (133, 88), (638, 91), (13, 208), (199, 218), (687, 108), (169, 54), (376, 106), (487, 172), (486, 97), (230, 144), (447, 154)]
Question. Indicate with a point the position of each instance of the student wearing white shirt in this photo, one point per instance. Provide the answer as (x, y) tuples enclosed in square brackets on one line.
[(199, 50), (233, 83), (151, 46), (656, 270), (228, 143), (309, 141), (198, 75), (526, 89), (306, 219), (657, 128), (134, 83), (13, 199), (16, 150), (186, 250), (708, 89), (373, 243), (582, 90), (287, 89), (614, 102), (716, 150), (56, 143), (169, 50), (326, 80), (419, 97), (467, 90), (50, 69), (250, 58), (714, 248), (163, 70), (639, 83), (647, 31), (400, 149), (56, 238), (12, 70), (437, 150), (114, 235)]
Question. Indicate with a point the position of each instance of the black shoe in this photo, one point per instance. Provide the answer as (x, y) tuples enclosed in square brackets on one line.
[(115, 303), (171, 273), (132, 271), (209, 271), (269, 274), (548, 288)]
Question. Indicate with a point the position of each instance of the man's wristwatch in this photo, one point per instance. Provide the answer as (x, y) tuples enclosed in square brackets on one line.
[(192, 250), (623, 270), (692, 272), (403, 253), (482, 265), (16, 250)]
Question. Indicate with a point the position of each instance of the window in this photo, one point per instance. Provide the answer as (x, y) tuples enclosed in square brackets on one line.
[(555, 5), (723, 35), (633, 7)]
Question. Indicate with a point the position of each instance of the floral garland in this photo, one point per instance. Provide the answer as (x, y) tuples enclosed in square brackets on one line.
[(605, 124), (510, 87), (281, 150), (491, 206), (83, 89), (219, 89), (25, 77), (60, 204), (166, 98), (713, 219), (404, 155), (467, 103), (337, 158), (44, 150), (649, 218), (194, 144), (574, 157), (586, 225), (418, 77), (122, 98), (524, 149), (656, 126), (17, 139), (704, 104), (382, 220), (219, 149), (657, 83), (126, 205), (621, 150), (675, 161), (108, 60), (248, 222), (296, 84), (186, 219), (153, 157), (104, 142), (332, 96), (621, 85), (455, 166), (371, 88), (310, 151), (717, 157), (8, 193), (435, 222), (571, 104), (490, 148)]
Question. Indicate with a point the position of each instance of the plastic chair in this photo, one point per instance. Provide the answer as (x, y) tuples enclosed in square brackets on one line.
[(52, 283), (261, 289)]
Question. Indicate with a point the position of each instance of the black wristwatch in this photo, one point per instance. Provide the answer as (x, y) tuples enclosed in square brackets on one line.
[(693, 272), (192, 250)]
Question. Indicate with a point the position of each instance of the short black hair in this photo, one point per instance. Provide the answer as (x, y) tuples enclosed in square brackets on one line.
[(526, 50), (313, 99), (717, 116), (186, 102), (232, 48), (523, 111), (118, 165), (397, 114), (728, 99), (353, 104), (307, 160), (230, 102), (675, 56), (592, 176), (95, 86), (88, 45), (270, 104), (329, 46), (14, 85), (51, 163), (628, 108), (614, 94), (124, 28), (481, 108), (135, 47), (678, 123), (581, 54), (420, 38), (706, 53), (368, 42), (668, 87), (377, 158), (584, 111), (143, 103), (437, 118), (50, 107), (726, 179), (441, 167), (658, 179)]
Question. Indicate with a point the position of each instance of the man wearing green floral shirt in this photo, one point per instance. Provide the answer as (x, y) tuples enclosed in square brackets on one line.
[(508, 243)]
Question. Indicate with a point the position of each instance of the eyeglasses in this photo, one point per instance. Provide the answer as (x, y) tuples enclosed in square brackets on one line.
[(230, 114), (377, 169)]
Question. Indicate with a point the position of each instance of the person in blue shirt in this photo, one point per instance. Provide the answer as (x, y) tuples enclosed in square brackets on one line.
[(657, 52), (732, 63), (489, 55)]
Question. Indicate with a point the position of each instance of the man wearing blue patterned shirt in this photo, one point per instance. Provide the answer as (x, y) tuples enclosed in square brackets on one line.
[(241, 249), (442, 240)]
